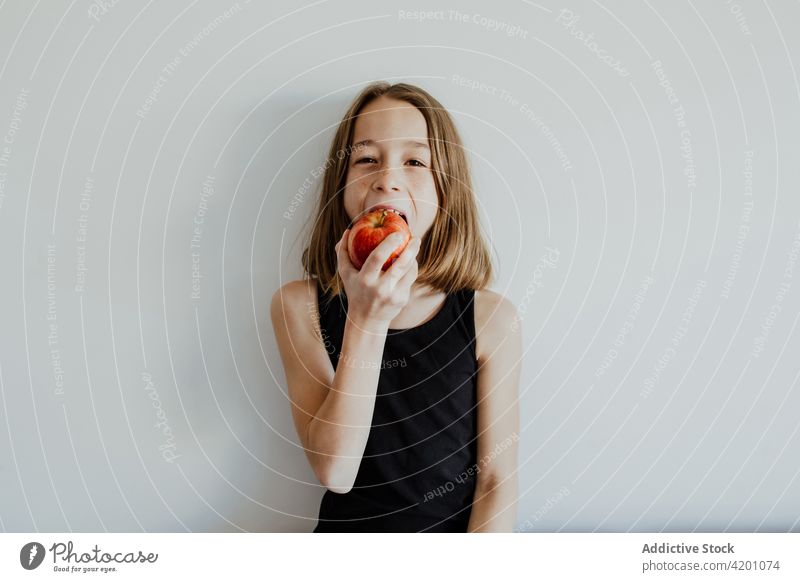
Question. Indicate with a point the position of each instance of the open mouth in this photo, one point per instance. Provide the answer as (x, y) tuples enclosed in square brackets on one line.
[(387, 209)]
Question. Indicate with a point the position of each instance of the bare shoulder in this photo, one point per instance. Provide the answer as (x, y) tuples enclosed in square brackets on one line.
[(294, 299), (495, 320), (493, 309), (297, 289)]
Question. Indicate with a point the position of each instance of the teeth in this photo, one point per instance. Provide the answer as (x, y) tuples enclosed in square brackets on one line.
[(392, 210)]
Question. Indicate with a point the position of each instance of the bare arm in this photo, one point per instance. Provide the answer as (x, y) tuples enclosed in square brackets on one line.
[(338, 433), (499, 359), (333, 411)]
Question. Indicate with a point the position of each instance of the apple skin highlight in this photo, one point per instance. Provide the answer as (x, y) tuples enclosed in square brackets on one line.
[(370, 230)]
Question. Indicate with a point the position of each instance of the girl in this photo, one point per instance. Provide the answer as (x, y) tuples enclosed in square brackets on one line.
[(403, 383)]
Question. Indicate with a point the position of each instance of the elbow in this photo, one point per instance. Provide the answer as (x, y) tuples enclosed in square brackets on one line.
[(486, 484), (333, 473), (337, 480), (339, 490)]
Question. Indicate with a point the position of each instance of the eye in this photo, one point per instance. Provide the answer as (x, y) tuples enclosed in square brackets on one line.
[(415, 162), (364, 160)]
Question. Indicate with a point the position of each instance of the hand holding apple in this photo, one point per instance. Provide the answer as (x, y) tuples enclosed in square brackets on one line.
[(370, 230), (375, 297)]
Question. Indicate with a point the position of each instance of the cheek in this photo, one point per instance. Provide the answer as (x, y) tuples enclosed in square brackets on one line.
[(351, 195), (422, 182), (350, 178), (356, 173), (425, 189)]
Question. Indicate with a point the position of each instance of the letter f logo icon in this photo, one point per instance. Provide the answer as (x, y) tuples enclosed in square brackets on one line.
[(31, 555)]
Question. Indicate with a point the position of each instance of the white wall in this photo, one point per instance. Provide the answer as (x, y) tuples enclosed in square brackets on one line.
[(686, 429)]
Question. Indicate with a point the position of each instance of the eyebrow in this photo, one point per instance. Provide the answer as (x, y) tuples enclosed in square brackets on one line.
[(410, 142)]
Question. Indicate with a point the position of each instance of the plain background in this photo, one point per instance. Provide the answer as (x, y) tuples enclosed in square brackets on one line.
[(655, 280)]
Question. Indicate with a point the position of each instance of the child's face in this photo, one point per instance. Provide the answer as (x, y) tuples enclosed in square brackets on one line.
[(394, 168)]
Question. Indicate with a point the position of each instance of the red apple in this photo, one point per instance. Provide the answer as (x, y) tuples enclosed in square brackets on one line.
[(368, 232)]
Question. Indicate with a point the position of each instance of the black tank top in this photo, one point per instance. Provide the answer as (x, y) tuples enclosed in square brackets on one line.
[(419, 465)]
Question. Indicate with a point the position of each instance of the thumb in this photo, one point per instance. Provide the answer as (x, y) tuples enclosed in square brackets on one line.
[(342, 255)]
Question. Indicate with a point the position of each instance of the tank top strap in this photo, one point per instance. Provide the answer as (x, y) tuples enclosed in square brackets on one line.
[(326, 303), (457, 314), (332, 314), (455, 321), (464, 305), (458, 310)]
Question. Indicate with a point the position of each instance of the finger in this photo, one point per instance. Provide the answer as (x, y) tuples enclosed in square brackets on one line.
[(408, 278), (344, 264), (381, 253), (341, 244), (399, 268)]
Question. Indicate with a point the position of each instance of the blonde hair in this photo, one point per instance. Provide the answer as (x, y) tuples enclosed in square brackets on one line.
[(453, 254)]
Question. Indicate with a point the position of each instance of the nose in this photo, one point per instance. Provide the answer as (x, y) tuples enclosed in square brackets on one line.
[(386, 179)]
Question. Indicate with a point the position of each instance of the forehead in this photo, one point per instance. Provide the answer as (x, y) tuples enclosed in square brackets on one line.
[(389, 120)]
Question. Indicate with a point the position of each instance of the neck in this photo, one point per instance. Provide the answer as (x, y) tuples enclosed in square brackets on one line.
[(423, 290)]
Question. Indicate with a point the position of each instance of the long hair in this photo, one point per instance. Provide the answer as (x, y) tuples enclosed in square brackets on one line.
[(453, 254)]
